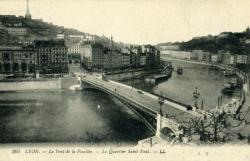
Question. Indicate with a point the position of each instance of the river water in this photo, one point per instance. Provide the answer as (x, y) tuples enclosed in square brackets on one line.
[(66, 116), (209, 83)]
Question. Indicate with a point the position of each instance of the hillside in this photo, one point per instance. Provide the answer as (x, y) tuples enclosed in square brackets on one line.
[(39, 30), (235, 43), (43, 30)]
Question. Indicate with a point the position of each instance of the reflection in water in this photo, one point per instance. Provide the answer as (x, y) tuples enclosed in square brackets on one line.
[(66, 116)]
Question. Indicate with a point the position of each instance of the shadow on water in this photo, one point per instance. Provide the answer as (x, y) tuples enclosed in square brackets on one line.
[(67, 117)]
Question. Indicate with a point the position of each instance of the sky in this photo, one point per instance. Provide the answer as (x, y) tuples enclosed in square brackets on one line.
[(139, 21)]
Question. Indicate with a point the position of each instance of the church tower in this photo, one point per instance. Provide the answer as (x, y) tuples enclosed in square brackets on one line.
[(27, 15)]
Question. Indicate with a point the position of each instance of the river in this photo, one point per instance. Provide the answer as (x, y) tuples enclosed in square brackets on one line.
[(74, 117), (66, 116), (181, 87)]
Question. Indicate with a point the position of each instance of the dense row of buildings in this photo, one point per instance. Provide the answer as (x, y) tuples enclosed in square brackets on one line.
[(13, 26), (17, 59), (52, 56), (44, 56), (220, 57), (97, 57)]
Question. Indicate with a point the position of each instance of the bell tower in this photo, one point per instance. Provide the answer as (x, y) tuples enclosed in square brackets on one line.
[(27, 15)]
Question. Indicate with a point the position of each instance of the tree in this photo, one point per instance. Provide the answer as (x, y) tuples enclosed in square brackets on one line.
[(215, 128)]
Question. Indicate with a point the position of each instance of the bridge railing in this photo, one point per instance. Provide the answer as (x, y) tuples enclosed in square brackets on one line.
[(135, 103)]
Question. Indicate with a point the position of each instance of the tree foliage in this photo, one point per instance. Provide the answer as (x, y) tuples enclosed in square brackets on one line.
[(215, 128), (228, 41)]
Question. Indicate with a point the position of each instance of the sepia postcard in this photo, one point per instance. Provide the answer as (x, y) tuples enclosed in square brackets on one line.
[(124, 79)]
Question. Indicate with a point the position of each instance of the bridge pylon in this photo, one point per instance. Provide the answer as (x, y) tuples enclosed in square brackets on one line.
[(163, 122), (158, 125)]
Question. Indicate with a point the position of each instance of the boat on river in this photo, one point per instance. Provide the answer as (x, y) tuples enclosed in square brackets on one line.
[(230, 87), (163, 75)]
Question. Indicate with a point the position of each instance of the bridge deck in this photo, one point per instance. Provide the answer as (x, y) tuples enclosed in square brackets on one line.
[(173, 110)]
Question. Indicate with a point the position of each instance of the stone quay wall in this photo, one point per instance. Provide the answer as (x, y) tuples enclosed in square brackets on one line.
[(30, 85)]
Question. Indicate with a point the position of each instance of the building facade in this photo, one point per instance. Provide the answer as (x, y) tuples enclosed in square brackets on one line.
[(74, 52), (75, 38), (135, 54), (152, 56), (170, 47), (60, 36), (216, 58), (125, 60), (92, 56), (241, 59), (52, 56), (176, 54), (16, 31), (112, 59), (17, 60), (143, 59)]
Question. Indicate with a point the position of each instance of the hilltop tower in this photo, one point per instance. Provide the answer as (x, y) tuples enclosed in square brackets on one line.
[(27, 15)]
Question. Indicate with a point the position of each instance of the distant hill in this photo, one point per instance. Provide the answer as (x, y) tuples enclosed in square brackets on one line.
[(235, 43)]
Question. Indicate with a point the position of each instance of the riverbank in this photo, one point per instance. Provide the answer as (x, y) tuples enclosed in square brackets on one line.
[(240, 75), (37, 84), (30, 85), (131, 74)]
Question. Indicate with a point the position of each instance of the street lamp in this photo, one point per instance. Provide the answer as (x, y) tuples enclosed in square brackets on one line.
[(161, 101), (196, 96), (131, 78)]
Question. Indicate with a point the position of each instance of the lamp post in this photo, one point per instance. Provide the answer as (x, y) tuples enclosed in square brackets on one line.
[(202, 104), (196, 96), (131, 78), (161, 101)]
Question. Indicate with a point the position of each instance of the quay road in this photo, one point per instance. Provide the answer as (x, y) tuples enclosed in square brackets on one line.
[(172, 110)]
